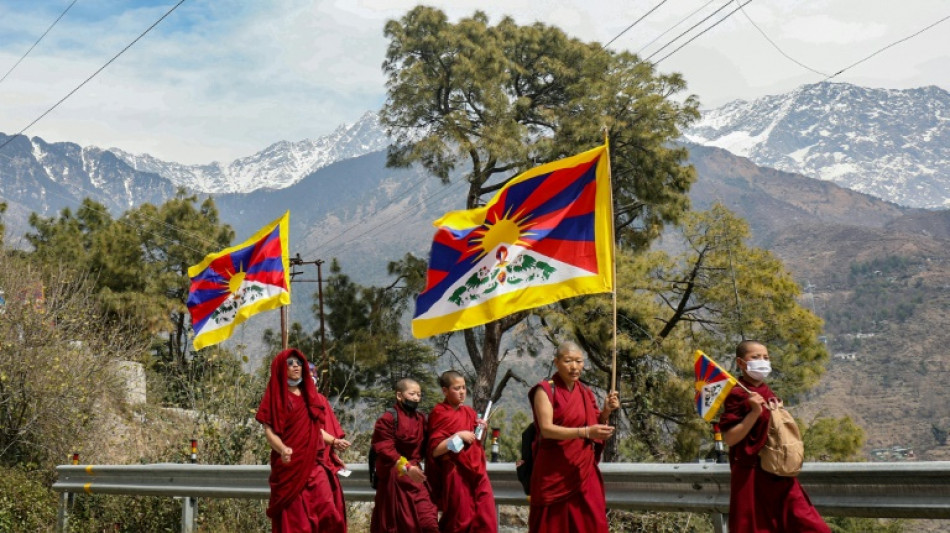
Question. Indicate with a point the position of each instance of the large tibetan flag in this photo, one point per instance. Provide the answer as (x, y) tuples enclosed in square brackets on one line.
[(230, 286), (712, 385), (545, 236)]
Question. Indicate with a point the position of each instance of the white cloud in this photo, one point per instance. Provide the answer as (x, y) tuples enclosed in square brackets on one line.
[(823, 29), (224, 78)]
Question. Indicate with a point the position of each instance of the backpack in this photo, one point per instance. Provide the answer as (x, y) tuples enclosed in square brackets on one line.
[(784, 451), (528, 438), (371, 458)]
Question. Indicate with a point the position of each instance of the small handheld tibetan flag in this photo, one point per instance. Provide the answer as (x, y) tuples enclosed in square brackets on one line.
[(545, 236), (230, 286), (712, 385)]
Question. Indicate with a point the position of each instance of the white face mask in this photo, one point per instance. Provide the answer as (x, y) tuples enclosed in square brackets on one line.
[(758, 369)]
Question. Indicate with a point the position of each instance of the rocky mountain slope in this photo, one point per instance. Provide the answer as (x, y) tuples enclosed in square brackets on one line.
[(893, 144), (278, 166)]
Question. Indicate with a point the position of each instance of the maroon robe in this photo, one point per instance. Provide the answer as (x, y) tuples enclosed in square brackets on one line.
[(401, 505), (567, 489), (459, 481), (761, 502), (331, 507), (298, 421)]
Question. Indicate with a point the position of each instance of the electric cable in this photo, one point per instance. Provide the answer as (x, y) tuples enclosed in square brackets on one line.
[(680, 47), (94, 74), (673, 27), (776, 46), (691, 28), (628, 28), (61, 15), (915, 34)]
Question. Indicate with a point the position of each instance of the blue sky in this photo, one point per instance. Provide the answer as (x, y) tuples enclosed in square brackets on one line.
[(221, 79)]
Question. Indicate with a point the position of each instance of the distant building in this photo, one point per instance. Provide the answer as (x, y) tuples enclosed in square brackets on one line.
[(845, 356)]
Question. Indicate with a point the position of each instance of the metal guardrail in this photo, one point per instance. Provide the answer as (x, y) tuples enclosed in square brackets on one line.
[(876, 490)]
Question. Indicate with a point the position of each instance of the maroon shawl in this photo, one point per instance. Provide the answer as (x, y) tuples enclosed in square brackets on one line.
[(297, 426)]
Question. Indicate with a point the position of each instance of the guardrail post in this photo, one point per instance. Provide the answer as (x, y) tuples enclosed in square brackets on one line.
[(720, 523), (188, 503), (62, 517), (188, 514)]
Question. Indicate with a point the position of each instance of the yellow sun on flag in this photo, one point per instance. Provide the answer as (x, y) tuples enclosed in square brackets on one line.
[(235, 282), (506, 230)]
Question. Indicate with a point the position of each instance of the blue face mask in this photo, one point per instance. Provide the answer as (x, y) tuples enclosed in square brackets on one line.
[(294, 382)]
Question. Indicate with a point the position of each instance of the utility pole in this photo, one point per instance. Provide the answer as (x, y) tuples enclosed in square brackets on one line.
[(324, 366)]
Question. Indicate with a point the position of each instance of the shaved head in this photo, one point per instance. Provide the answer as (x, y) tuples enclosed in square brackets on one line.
[(403, 384), (448, 377), (567, 347), (745, 346)]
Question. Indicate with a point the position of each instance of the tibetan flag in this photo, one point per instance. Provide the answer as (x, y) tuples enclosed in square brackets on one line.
[(545, 236), (712, 385), (230, 286)]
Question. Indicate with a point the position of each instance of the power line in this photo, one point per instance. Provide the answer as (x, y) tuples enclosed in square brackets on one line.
[(915, 34), (628, 28), (94, 74), (691, 28), (671, 28), (680, 47), (61, 15), (790, 58)]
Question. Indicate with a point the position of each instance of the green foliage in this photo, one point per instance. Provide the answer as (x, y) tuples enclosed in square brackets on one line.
[(716, 292), (883, 290), (499, 99), (26, 503), (366, 349), (657, 522), (833, 439), (55, 361), (840, 524), (105, 512), (140, 263)]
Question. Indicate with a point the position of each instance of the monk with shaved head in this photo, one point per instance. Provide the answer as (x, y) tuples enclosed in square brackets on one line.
[(403, 503), (759, 501), (456, 463), (567, 489)]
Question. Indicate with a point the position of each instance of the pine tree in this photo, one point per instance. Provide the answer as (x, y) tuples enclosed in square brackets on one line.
[(493, 100)]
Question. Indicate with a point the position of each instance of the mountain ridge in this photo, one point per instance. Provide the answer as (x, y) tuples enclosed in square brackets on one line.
[(893, 144)]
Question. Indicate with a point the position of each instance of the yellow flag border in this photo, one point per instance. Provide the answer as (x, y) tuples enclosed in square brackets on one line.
[(495, 308), (214, 337)]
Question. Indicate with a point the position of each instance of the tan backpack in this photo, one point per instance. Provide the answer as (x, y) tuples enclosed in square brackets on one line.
[(784, 451)]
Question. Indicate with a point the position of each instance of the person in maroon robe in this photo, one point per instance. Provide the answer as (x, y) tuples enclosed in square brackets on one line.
[(567, 489), (331, 509), (293, 414), (403, 503), (759, 502), (455, 465)]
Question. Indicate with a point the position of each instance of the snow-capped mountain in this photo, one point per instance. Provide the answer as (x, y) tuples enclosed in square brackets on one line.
[(45, 177), (278, 166), (893, 144)]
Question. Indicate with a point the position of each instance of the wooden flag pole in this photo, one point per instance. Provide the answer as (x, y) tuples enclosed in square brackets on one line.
[(283, 327), (613, 240)]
